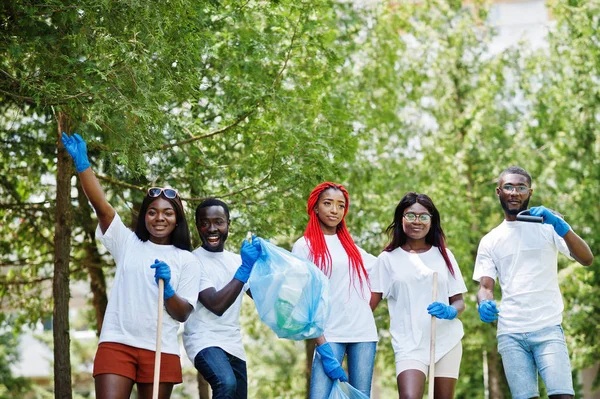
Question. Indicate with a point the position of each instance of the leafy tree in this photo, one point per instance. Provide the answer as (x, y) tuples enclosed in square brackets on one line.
[(239, 101), (10, 386)]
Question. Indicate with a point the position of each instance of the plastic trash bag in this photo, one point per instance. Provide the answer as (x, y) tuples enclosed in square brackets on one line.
[(291, 294), (343, 390)]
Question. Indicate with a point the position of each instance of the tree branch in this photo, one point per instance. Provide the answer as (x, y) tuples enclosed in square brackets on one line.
[(289, 52), (241, 190), (120, 183), (34, 205), (203, 136)]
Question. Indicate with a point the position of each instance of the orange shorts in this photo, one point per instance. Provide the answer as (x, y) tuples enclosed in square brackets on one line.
[(135, 363)]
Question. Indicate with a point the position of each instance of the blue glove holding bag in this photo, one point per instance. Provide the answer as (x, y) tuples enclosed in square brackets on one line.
[(442, 311), (332, 367), (77, 149), (163, 271), (249, 253), (560, 226), (488, 311)]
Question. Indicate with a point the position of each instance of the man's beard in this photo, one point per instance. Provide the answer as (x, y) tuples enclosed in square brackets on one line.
[(220, 247), (514, 211)]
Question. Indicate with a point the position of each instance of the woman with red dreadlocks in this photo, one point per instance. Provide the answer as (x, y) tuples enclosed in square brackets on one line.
[(403, 274), (350, 329)]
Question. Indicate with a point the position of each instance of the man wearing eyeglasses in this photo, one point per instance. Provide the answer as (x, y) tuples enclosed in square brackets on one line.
[(524, 258), (212, 336)]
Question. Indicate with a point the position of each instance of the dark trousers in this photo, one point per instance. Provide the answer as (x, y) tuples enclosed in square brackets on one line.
[(225, 373)]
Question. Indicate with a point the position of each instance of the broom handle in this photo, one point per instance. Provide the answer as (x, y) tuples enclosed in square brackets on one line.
[(432, 343), (161, 290)]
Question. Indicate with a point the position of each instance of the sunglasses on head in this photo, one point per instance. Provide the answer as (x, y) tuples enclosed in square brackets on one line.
[(155, 192)]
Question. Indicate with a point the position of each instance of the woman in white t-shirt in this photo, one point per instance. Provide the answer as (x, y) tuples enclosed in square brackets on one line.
[(350, 329), (403, 274), (158, 249)]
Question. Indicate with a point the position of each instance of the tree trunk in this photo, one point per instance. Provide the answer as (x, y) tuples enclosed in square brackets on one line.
[(310, 350), (495, 378), (60, 283), (93, 261)]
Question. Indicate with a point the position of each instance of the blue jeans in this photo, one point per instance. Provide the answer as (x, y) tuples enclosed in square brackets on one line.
[(361, 358), (225, 373), (524, 354)]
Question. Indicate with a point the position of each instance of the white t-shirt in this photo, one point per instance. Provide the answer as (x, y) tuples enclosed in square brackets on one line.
[(132, 313), (205, 329), (524, 257), (350, 317), (406, 280)]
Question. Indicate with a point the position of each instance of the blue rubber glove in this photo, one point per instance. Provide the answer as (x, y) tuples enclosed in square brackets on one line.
[(488, 311), (560, 226), (163, 271), (249, 253), (442, 311), (77, 149), (332, 367)]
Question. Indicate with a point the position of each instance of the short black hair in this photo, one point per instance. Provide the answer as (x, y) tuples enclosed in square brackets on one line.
[(515, 170), (211, 202)]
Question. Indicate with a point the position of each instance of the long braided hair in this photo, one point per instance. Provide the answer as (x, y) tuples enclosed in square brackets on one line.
[(319, 253)]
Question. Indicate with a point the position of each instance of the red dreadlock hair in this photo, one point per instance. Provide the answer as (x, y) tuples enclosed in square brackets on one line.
[(319, 253)]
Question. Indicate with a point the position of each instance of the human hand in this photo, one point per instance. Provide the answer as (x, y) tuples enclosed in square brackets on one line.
[(488, 311), (560, 226), (163, 271), (442, 311), (77, 149), (332, 367), (249, 253)]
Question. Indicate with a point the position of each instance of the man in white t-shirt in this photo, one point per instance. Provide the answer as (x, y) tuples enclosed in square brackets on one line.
[(523, 256), (212, 337)]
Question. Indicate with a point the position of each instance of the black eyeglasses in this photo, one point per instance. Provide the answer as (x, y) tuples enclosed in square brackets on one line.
[(508, 188), (155, 192), (412, 217)]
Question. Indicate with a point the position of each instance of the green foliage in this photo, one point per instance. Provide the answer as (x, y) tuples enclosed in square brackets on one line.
[(257, 102), (10, 386)]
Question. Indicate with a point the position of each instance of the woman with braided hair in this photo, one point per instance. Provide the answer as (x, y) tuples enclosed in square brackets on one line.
[(350, 329)]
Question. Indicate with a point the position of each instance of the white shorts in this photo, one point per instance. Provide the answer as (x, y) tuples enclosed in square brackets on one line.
[(448, 366)]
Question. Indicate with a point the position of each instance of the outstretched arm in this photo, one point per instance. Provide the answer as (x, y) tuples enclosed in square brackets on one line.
[(77, 149)]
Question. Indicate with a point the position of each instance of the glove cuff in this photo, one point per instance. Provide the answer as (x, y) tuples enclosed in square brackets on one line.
[(561, 227), (242, 274), (324, 350), (453, 312), (169, 291), (82, 164)]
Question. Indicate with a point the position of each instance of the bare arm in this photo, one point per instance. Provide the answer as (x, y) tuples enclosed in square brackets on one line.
[(486, 289), (458, 302), (219, 301), (320, 340), (178, 308), (579, 249), (93, 191), (375, 299)]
